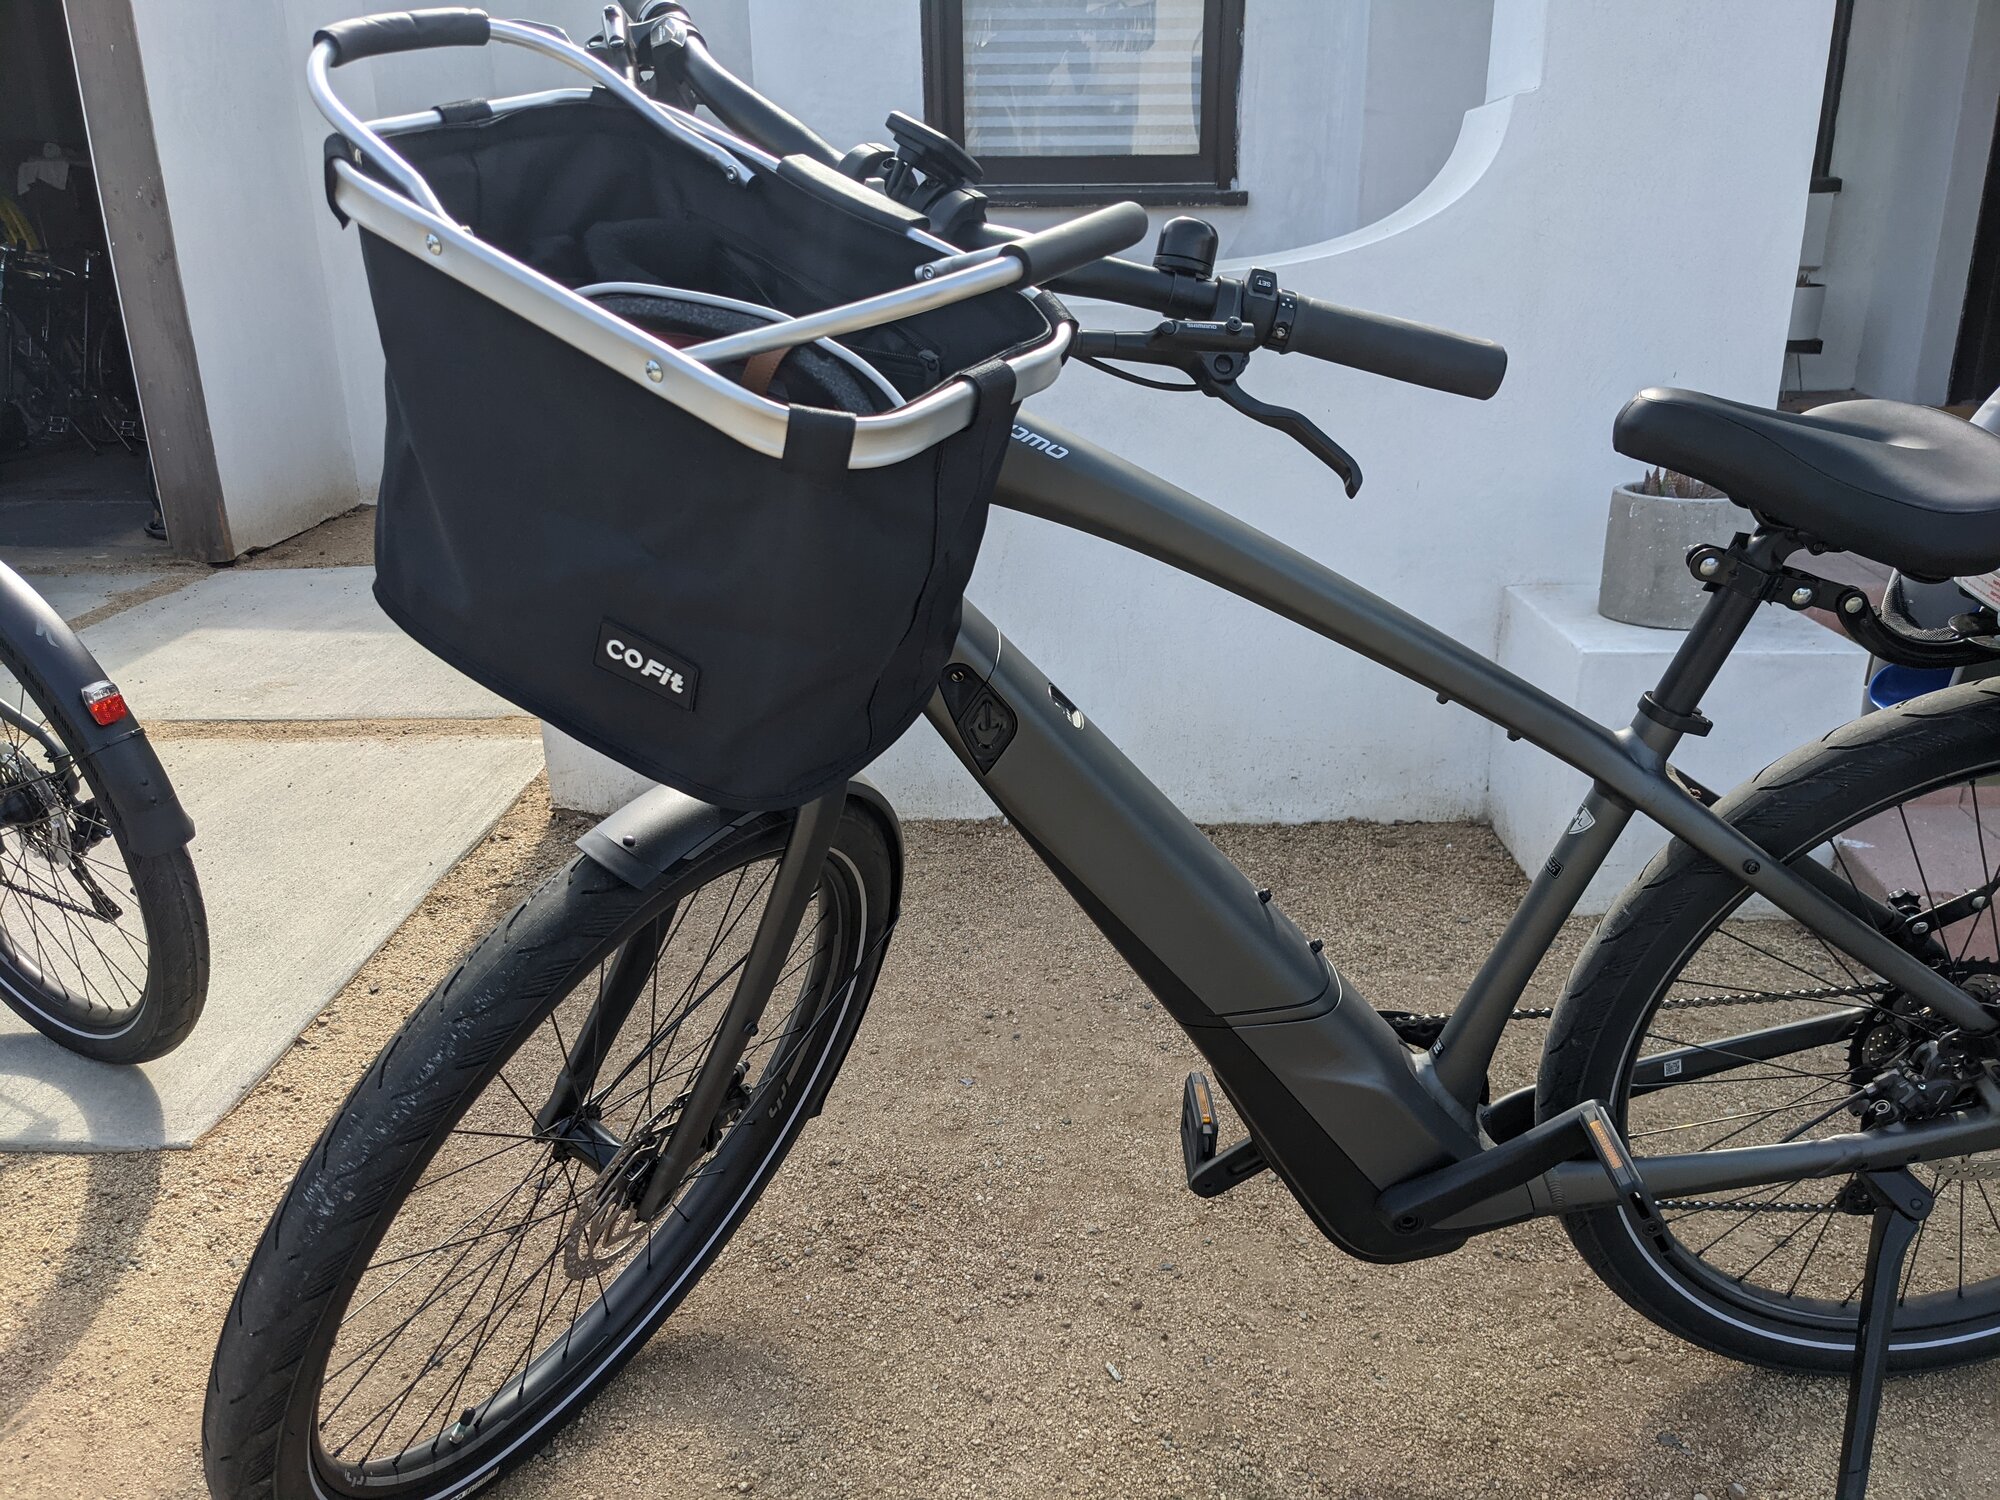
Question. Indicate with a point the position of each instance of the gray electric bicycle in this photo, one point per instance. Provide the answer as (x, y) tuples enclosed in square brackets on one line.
[(1772, 1126)]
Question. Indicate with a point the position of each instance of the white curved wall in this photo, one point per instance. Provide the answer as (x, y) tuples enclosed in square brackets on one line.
[(1625, 212)]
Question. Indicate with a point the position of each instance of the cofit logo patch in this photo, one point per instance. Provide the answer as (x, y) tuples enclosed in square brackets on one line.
[(627, 654)]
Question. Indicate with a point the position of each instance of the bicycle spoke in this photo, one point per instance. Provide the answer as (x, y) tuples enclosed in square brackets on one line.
[(507, 1252)]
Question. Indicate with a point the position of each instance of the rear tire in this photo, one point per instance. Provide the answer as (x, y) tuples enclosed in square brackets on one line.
[(1732, 1298), (283, 1421), (120, 989)]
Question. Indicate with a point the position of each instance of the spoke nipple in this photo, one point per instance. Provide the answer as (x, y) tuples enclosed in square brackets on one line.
[(1317, 944), (1264, 895)]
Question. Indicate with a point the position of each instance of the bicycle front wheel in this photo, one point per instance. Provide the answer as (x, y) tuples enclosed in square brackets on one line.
[(1706, 1028), (459, 1265)]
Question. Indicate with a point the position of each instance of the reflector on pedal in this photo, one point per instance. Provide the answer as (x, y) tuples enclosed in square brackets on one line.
[(1208, 1172)]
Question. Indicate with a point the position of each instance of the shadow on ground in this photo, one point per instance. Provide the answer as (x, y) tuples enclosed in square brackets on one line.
[(112, 1205)]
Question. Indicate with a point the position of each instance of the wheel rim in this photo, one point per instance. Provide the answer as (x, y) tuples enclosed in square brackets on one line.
[(1789, 1258), (536, 1309), (73, 940)]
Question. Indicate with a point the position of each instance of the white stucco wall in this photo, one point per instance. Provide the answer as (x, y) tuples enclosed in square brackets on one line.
[(226, 123), (1606, 121), (1910, 147), (1348, 107), (276, 299), (276, 302), (1542, 230)]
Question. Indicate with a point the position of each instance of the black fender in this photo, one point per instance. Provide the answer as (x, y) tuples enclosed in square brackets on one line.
[(658, 829), (48, 654)]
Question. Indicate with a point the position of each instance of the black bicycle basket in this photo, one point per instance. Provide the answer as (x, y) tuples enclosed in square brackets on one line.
[(585, 529)]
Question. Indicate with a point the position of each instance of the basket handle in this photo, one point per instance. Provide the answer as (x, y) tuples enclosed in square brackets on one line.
[(404, 31), (1075, 243)]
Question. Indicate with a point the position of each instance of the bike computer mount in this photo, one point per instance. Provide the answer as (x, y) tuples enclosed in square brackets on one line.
[(925, 170)]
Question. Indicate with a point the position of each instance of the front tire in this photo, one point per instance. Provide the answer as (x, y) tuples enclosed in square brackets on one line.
[(1770, 1275), (445, 1283)]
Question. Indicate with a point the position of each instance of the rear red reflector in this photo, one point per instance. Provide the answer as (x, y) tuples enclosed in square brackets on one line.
[(105, 702)]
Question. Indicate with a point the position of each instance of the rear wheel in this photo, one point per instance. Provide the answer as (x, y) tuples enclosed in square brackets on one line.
[(458, 1267), (102, 949), (1673, 1017)]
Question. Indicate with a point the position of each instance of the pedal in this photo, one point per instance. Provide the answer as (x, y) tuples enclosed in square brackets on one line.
[(1211, 1172), (1617, 1163)]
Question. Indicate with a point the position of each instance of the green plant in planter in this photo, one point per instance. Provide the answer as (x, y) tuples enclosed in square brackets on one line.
[(1675, 486)]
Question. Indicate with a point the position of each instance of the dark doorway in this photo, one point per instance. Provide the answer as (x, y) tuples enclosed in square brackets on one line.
[(1975, 364), (74, 471)]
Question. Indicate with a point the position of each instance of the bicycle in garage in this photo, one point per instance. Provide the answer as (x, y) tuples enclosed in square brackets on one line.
[(691, 427)]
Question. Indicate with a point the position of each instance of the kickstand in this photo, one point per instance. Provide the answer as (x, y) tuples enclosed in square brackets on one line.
[(1901, 1206)]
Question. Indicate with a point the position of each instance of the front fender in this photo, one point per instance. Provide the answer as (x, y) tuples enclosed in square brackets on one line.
[(657, 830), (53, 662)]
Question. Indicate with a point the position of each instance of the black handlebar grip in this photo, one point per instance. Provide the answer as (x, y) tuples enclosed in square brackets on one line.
[(1089, 237), (1413, 352), (404, 31)]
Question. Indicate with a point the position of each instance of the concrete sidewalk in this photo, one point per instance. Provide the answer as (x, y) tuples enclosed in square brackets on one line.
[(312, 844)]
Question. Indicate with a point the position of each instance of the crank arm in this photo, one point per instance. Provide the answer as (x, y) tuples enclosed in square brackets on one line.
[(1294, 425)]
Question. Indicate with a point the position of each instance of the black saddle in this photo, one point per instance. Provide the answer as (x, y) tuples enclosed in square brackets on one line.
[(1905, 485)]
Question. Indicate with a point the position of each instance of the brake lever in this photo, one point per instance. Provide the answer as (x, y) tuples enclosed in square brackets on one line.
[(1294, 425)]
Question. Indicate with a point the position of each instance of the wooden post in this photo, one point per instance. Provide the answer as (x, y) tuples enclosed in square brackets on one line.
[(125, 161)]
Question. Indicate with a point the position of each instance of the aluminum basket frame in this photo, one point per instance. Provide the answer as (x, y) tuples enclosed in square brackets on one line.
[(415, 221)]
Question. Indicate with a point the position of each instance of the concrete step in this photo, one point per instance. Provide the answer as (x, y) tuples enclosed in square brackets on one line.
[(279, 643), (311, 851)]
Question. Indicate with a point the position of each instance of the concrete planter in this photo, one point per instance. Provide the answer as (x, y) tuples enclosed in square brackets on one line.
[(1645, 579)]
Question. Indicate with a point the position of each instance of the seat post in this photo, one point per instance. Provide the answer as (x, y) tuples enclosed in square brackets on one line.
[(1673, 708)]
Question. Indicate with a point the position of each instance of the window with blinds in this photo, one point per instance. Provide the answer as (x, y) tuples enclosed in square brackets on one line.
[(1058, 95)]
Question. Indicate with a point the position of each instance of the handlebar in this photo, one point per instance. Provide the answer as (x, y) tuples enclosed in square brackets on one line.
[(1073, 258), (730, 99), (1415, 353)]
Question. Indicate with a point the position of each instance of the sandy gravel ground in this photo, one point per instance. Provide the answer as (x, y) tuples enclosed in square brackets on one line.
[(979, 1274)]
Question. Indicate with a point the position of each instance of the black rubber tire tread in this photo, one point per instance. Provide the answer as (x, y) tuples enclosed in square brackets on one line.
[(171, 906), (378, 1143), (1788, 808)]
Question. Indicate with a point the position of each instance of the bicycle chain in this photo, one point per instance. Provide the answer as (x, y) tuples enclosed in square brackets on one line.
[(1422, 1030)]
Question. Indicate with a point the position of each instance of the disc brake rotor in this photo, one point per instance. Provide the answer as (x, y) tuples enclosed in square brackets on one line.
[(611, 1225)]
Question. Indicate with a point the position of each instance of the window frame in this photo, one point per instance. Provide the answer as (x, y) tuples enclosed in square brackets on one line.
[(1206, 177)]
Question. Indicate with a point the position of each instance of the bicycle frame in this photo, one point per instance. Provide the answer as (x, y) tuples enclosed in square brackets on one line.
[(1340, 1108)]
